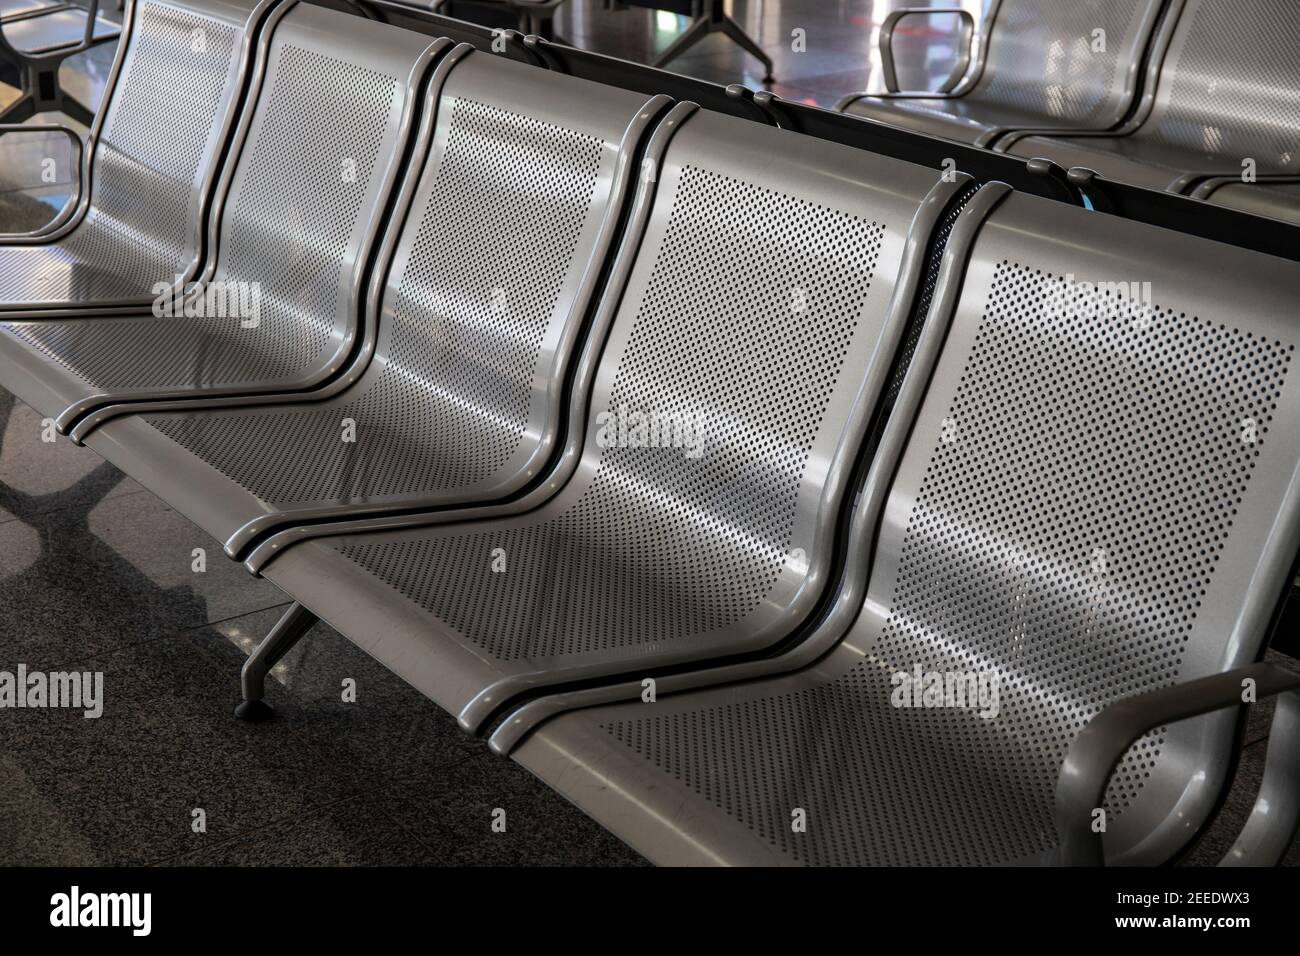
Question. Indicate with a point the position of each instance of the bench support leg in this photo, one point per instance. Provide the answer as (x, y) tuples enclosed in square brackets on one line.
[(715, 20), (693, 35), (20, 110), (742, 39), (296, 622), (71, 106)]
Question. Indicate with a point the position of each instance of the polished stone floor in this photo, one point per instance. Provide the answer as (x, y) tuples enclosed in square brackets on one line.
[(97, 574)]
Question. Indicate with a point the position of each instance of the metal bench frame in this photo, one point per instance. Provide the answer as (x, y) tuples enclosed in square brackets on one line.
[(74, 199)]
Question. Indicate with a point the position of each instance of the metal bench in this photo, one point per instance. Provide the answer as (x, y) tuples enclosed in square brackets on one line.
[(1228, 72), (748, 332), (472, 328), (144, 195), (276, 309), (698, 497), (1032, 66), (1075, 536)]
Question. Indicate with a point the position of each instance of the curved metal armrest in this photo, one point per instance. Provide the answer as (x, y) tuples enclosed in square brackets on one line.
[(1081, 786), (63, 52), (1006, 138), (88, 37), (1209, 184), (73, 199), (887, 44)]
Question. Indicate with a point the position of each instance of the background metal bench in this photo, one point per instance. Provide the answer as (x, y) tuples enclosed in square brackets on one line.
[(1088, 491), (489, 289), (1033, 66), (303, 205), (761, 299), (55, 30), (1226, 93)]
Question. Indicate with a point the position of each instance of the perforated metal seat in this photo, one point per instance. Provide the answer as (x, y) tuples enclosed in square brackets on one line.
[(145, 194), (1038, 66), (763, 304), (1226, 93), (517, 209), (319, 158), (1092, 493)]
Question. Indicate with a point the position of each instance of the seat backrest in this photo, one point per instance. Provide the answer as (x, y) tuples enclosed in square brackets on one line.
[(1229, 84), (165, 125), (1072, 63), (1098, 498), (759, 297), (314, 173), (494, 272)]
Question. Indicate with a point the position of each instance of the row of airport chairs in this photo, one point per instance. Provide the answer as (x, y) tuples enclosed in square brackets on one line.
[(681, 454), (1198, 97)]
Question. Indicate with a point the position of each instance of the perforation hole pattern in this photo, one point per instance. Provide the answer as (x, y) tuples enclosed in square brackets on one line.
[(498, 238), (302, 197), (661, 546), (141, 226), (1234, 85), (1064, 538), (290, 228), (1042, 58)]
